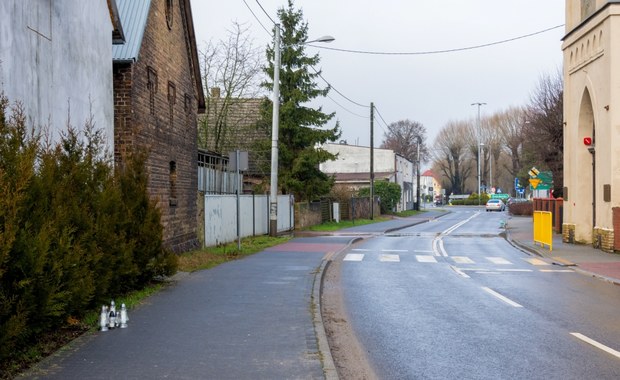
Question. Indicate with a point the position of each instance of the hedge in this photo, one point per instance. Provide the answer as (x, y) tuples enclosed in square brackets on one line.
[(74, 231)]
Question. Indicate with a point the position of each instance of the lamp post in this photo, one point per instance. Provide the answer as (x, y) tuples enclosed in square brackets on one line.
[(275, 126), (478, 138), (418, 175)]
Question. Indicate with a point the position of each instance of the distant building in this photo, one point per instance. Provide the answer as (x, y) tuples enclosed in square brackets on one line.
[(56, 60), (351, 170), (230, 124), (591, 49), (157, 95), (429, 185)]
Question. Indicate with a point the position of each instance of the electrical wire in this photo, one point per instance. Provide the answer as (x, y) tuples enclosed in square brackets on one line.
[(265, 12), (348, 110), (439, 51), (338, 92), (253, 14)]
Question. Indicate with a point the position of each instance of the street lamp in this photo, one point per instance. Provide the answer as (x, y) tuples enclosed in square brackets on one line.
[(275, 125), (478, 138), (418, 175)]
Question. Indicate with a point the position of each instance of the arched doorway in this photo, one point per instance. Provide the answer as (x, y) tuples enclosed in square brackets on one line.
[(586, 158)]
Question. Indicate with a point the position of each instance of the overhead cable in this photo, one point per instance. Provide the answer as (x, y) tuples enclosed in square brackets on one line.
[(438, 51)]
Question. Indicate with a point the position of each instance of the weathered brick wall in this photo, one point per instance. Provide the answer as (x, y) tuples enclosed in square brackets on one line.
[(568, 233), (162, 81)]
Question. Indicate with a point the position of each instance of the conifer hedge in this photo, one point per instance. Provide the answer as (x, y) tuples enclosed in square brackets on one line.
[(74, 231)]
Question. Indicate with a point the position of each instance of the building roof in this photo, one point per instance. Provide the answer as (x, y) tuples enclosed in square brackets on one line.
[(118, 36), (134, 14), (428, 173)]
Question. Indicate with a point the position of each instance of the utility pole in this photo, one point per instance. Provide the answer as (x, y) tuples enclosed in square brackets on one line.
[(273, 194), (372, 161), (418, 176), (478, 147)]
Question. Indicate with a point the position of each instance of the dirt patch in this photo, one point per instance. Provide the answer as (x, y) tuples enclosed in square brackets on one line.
[(348, 354)]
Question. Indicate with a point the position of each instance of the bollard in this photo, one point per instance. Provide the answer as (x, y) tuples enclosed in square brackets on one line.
[(123, 317), (103, 318)]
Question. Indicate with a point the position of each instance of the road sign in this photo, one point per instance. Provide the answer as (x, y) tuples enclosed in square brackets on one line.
[(533, 172), (534, 182)]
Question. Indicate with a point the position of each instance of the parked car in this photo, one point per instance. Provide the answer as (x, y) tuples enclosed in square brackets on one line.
[(495, 205)]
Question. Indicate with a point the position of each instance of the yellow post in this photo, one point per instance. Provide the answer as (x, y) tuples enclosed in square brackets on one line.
[(543, 228)]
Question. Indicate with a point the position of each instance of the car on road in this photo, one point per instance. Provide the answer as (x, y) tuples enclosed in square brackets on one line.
[(495, 205)]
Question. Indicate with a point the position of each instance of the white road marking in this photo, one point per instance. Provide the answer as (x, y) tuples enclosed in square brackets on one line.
[(501, 297), (390, 258), (557, 271), (354, 257), (499, 261), (462, 260), (361, 250), (425, 259), (459, 272), (394, 250), (596, 344), (537, 262)]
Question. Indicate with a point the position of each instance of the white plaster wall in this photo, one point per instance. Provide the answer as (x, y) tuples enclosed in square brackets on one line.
[(56, 58), (356, 159)]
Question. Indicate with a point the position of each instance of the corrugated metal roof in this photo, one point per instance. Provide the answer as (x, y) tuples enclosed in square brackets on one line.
[(133, 15)]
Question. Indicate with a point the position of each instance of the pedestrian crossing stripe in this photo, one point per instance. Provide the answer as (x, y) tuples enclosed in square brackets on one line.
[(462, 260), (499, 261), (537, 262), (389, 258), (426, 259), (354, 257)]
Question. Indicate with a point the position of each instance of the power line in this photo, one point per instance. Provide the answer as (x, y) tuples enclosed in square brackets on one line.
[(438, 51), (253, 14), (384, 122), (344, 108), (335, 89), (265, 12)]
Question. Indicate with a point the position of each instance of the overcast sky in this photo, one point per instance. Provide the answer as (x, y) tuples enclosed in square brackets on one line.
[(432, 88)]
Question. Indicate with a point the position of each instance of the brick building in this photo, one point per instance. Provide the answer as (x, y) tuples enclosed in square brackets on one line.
[(157, 95)]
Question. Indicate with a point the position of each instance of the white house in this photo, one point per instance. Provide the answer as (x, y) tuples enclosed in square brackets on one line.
[(352, 170)]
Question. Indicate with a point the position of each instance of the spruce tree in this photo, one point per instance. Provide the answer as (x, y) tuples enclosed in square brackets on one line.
[(301, 127)]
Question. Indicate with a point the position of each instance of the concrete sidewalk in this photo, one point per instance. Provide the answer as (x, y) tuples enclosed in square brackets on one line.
[(255, 318), (581, 258)]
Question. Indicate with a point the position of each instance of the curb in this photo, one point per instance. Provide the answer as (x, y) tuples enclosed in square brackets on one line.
[(531, 251), (327, 361)]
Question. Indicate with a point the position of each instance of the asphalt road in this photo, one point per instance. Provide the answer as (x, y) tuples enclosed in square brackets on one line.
[(452, 299)]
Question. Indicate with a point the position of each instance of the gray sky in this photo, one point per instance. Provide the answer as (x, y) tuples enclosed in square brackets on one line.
[(431, 89)]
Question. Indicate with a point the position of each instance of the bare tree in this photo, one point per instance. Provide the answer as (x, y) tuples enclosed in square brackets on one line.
[(231, 73), (510, 123), (544, 138), (450, 155), (402, 138)]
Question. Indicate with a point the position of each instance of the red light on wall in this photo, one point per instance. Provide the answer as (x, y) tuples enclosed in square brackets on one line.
[(587, 141)]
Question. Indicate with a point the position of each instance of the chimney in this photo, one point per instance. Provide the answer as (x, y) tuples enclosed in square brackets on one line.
[(215, 92)]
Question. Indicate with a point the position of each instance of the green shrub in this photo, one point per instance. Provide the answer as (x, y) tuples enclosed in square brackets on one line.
[(74, 233), (388, 192)]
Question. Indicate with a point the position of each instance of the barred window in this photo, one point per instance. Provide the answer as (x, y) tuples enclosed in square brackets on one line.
[(151, 84), (172, 99)]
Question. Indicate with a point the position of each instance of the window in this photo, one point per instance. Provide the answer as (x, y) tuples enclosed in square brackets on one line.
[(151, 84), (169, 13), (187, 105), (172, 99), (173, 184)]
